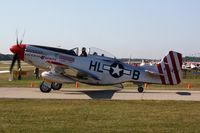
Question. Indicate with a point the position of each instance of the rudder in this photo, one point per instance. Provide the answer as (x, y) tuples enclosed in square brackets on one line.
[(170, 68)]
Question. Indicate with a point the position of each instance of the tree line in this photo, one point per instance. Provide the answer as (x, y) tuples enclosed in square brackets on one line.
[(4, 57)]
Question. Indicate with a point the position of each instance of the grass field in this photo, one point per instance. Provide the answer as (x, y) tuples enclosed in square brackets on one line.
[(99, 116)]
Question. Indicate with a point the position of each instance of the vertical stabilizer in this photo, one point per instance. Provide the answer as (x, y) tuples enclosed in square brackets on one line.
[(170, 68)]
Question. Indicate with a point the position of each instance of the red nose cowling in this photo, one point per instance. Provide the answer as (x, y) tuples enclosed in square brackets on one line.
[(19, 50)]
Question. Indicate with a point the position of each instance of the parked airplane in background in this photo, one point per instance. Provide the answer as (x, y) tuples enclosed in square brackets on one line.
[(191, 65), (96, 67)]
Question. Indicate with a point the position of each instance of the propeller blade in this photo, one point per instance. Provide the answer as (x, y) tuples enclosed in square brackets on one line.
[(19, 68), (13, 62), (20, 42), (22, 38), (18, 62), (17, 41)]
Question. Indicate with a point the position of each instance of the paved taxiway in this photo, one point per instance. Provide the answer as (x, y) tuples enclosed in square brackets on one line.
[(34, 93)]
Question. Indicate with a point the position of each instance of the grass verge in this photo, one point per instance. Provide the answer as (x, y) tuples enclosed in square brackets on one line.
[(99, 116)]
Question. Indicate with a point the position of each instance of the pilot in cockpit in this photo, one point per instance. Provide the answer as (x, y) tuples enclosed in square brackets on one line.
[(95, 53), (84, 53)]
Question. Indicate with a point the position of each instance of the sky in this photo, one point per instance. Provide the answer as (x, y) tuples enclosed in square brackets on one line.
[(136, 28)]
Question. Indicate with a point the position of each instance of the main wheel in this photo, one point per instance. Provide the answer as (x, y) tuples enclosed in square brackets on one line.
[(56, 86), (140, 89), (44, 87)]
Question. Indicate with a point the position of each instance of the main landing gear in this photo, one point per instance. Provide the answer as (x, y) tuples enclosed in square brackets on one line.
[(56, 86), (46, 87)]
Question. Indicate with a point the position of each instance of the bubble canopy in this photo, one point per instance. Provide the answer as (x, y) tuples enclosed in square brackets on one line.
[(100, 52), (93, 51)]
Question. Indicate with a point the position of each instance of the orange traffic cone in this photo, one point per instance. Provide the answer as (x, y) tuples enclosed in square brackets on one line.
[(189, 86), (76, 84), (33, 84), (145, 85)]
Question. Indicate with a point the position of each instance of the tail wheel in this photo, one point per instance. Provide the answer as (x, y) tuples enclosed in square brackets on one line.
[(56, 86), (45, 87), (140, 89)]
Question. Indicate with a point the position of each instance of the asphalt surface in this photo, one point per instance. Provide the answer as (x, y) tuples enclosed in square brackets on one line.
[(107, 94)]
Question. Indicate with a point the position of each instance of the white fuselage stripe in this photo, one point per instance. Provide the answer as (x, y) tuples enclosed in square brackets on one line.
[(164, 72), (171, 69)]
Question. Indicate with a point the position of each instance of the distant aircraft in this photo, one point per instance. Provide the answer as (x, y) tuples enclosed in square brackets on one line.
[(96, 67), (195, 65), (191, 66)]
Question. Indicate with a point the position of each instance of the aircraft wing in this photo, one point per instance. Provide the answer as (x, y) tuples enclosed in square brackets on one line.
[(81, 74), (73, 72)]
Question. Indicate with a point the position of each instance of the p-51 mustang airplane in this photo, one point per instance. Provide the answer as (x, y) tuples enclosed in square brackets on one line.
[(97, 68)]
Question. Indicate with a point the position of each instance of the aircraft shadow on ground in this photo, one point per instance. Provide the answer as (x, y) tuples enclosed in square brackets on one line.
[(94, 94), (108, 94), (183, 93), (100, 94)]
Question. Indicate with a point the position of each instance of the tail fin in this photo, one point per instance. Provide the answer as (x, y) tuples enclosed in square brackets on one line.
[(170, 68)]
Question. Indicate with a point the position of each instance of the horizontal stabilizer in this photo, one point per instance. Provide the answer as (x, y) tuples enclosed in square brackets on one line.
[(154, 73)]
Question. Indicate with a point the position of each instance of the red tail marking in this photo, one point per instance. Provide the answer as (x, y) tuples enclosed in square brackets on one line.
[(180, 60), (174, 67), (168, 71), (161, 72)]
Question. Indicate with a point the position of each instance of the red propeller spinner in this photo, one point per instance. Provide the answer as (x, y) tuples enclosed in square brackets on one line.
[(19, 50)]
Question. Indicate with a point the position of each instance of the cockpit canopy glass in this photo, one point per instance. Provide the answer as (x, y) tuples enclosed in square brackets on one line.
[(100, 52), (94, 51)]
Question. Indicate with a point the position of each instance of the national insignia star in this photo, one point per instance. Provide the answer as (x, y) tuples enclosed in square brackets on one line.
[(116, 70)]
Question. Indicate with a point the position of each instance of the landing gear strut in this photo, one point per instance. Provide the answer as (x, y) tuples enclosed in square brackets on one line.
[(56, 86)]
